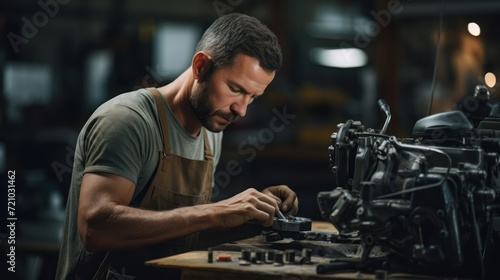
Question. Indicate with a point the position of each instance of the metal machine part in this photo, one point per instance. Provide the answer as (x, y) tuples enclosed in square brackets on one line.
[(432, 201), (291, 224), (287, 227)]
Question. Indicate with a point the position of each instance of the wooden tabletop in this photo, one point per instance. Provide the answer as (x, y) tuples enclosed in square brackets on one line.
[(195, 264)]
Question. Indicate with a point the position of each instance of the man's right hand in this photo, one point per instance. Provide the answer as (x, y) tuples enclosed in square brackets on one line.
[(247, 206)]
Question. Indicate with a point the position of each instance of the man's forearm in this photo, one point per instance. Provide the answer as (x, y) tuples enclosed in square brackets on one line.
[(124, 227)]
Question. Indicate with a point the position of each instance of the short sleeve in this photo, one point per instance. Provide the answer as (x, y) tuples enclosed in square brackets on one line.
[(113, 143)]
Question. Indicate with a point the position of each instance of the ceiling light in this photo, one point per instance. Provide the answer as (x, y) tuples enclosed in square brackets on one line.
[(474, 29), (490, 79), (340, 58)]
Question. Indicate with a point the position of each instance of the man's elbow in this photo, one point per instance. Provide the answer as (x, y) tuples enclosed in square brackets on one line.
[(91, 237)]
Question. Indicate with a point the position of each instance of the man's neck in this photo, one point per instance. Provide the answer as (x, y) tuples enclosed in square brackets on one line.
[(176, 94)]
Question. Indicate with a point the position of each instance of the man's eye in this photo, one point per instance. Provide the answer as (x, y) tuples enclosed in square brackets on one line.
[(234, 89)]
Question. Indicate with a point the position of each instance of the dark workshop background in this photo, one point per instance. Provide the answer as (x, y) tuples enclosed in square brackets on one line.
[(60, 59)]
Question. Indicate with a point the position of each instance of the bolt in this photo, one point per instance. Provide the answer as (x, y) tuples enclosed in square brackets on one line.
[(210, 255), (278, 258), (290, 256)]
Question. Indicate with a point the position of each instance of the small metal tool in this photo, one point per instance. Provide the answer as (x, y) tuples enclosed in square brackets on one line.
[(280, 215)]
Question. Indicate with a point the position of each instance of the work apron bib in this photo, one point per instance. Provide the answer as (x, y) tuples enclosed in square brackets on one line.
[(178, 182)]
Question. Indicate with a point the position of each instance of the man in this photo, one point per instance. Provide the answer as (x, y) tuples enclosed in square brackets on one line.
[(144, 161)]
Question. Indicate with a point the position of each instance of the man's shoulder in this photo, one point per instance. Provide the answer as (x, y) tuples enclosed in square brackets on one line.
[(130, 112), (138, 105), (137, 100)]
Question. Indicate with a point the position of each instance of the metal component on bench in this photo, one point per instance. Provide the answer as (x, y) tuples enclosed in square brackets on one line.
[(246, 256), (210, 255), (306, 256), (270, 256), (278, 258), (290, 256), (259, 256), (292, 224)]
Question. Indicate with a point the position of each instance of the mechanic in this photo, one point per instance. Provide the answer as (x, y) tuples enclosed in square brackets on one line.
[(144, 161)]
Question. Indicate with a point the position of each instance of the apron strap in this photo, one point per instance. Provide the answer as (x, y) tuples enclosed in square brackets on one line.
[(163, 119), (208, 150), (164, 128)]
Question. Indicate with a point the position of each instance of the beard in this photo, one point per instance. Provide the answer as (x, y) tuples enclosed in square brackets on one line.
[(200, 103)]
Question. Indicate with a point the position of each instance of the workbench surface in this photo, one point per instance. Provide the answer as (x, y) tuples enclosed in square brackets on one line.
[(195, 265)]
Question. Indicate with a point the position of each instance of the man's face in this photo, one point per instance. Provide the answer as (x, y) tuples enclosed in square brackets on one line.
[(225, 95)]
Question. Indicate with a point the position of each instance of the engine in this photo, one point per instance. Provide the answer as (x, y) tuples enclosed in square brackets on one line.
[(431, 201)]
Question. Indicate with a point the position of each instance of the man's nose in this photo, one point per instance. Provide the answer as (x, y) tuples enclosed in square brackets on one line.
[(240, 106)]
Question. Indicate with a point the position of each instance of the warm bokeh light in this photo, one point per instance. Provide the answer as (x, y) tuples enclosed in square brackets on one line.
[(490, 79), (474, 29)]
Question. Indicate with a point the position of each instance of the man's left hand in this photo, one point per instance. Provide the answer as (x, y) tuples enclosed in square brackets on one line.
[(286, 198)]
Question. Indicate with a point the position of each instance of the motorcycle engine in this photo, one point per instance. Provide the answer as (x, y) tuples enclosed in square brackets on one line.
[(433, 200)]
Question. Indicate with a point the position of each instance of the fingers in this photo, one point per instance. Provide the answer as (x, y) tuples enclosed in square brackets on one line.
[(249, 205), (260, 207), (290, 205), (263, 212), (285, 197), (265, 207), (276, 198)]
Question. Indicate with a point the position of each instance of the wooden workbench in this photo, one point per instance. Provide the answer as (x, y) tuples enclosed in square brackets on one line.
[(194, 265)]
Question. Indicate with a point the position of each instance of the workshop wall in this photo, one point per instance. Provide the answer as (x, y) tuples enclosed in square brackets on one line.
[(60, 59)]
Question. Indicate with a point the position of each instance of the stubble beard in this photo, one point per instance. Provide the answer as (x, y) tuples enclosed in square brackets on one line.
[(200, 103)]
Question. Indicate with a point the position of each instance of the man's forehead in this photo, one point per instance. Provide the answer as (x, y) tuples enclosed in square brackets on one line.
[(248, 67)]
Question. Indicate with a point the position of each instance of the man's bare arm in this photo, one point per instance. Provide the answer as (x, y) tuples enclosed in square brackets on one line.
[(106, 222)]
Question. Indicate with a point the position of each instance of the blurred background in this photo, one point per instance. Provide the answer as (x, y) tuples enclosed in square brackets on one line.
[(60, 59)]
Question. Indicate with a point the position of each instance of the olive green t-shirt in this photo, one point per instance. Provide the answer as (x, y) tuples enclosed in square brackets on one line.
[(123, 137)]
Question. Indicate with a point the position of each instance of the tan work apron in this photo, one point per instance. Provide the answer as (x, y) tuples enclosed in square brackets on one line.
[(178, 182)]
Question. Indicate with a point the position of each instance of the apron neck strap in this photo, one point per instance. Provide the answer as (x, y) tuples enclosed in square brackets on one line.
[(164, 128), (163, 119), (208, 150)]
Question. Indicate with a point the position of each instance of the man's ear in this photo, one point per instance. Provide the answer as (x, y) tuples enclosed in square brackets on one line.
[(201, 66)]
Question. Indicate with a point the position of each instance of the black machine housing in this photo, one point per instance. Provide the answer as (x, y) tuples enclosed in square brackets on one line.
[(431, 201)]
